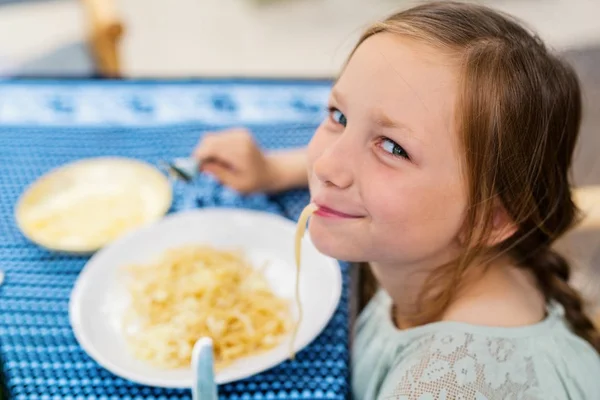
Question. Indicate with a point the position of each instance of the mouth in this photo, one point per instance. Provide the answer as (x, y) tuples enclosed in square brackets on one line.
[(328, 212)]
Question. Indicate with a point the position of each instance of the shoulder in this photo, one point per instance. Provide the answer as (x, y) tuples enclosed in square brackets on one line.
[(460, 365), (454, 360)]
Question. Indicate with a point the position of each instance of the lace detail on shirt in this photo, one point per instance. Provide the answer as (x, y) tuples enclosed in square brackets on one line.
[(464, 366)]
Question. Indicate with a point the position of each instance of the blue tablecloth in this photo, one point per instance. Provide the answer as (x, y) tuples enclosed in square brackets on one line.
[(47, 124)]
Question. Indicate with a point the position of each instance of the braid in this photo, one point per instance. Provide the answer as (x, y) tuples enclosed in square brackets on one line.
[(553, 272)]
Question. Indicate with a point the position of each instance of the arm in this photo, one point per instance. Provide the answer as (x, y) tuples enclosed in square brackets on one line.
[(234, 158), (287, 170)]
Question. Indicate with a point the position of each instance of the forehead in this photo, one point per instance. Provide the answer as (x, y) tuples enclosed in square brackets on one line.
[(406, 79)]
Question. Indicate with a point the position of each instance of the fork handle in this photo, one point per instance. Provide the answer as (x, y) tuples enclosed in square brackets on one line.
[(204, 387)]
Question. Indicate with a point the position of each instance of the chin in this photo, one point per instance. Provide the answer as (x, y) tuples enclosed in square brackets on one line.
[(334, 245)]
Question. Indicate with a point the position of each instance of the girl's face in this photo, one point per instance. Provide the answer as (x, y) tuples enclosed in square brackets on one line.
[(385, 166)]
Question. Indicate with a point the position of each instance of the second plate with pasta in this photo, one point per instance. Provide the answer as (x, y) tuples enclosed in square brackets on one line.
[(139, 304)]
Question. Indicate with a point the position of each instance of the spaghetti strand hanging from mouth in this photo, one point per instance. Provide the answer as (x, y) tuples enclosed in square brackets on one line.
[(300, 229)]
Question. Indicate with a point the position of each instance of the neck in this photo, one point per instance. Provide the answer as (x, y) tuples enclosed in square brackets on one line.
[(404, 285), (499, 285)]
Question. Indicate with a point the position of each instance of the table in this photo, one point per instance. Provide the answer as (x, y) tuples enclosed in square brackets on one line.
[(44, 124)]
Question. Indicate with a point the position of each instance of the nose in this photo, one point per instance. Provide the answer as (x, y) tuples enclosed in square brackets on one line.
[(333, 166)]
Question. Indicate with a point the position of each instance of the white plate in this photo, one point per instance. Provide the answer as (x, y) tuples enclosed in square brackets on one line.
[(98, 299), (80, 207)]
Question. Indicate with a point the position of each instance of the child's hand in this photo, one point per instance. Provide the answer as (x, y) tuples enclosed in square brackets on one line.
[(234, 159)]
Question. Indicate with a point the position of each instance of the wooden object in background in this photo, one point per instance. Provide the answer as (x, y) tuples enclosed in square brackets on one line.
[(587, 199), (105, 31), (584, 237)]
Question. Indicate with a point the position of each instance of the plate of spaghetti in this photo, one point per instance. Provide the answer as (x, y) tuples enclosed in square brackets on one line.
[(249, 280)]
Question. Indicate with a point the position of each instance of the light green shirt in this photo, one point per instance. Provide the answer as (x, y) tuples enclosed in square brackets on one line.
[(452, 360)]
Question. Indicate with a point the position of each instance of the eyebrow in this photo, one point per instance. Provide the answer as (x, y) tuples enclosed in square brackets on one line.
[(384, 121), (377, 115)]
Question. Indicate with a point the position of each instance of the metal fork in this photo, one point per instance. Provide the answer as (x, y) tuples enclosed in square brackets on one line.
[(184, 169)]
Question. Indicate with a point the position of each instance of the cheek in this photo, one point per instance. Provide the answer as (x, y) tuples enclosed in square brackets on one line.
[(422, 213)]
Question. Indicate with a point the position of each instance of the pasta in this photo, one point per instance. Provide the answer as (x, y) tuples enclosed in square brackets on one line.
[(83, 206), (300, 229), (85, 216), (197, 291)]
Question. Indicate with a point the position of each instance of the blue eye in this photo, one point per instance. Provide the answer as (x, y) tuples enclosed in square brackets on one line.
[(393, 148), (337, 116)]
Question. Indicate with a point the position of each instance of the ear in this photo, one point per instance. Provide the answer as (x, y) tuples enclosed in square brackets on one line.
[(503, 226)]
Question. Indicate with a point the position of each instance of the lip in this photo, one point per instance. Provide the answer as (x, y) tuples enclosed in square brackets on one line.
[(329, 212)]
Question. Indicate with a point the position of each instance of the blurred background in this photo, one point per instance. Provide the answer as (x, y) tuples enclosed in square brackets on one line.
[(161, 39), (267, 38)]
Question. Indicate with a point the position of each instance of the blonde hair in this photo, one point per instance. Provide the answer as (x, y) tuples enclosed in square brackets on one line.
[(518, 118)]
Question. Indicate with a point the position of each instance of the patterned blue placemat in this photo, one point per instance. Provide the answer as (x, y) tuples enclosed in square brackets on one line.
[(55, 124)]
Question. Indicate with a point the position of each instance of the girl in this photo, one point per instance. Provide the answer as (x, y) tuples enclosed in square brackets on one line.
[(444, 164)]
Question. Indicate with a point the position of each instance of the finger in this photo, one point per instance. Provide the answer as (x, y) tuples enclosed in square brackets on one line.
[(223, 149), (238, 135), (231, 149), (222, 173)]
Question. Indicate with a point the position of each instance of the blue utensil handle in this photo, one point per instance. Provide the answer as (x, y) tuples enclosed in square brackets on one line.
[(204, 386)]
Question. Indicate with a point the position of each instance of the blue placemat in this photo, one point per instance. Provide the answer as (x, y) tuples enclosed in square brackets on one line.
[(49, 125)]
